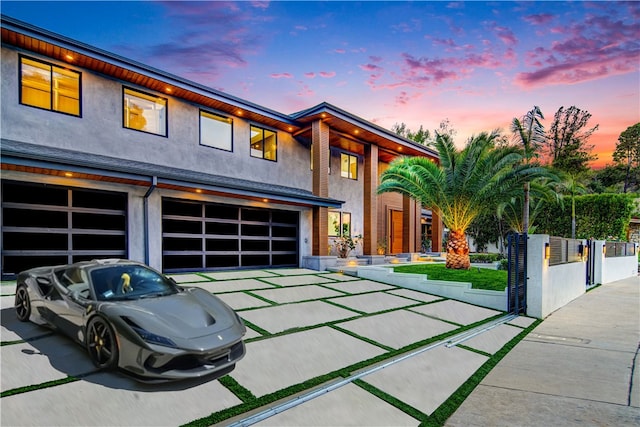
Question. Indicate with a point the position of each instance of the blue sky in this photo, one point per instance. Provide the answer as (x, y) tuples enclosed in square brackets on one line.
[(478, 64)]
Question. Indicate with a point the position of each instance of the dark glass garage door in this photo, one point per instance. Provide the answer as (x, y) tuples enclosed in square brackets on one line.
[(49, 225), (208, 236)]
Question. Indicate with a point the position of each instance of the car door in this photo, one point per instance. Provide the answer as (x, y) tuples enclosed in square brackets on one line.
[(65, 306)]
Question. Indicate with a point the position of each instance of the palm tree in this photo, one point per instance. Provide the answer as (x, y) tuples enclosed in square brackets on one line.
[(511, 211), (466, 183), (530, 133)]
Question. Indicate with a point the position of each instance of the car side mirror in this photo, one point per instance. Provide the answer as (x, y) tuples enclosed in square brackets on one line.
[(74, 295)]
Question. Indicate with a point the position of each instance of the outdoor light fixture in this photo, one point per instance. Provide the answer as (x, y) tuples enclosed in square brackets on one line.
[(604, 249), (583, 250), (547, 250)]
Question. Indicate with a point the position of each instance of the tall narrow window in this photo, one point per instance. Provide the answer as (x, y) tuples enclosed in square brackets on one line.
[(46, 86), (144, 112), (264, 143), (348, 166), (216, 131)]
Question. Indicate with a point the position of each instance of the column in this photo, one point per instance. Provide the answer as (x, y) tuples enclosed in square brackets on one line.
[(370, 237), (320, 186)]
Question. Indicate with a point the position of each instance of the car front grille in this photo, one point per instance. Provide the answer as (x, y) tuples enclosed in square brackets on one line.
[(188, 362)]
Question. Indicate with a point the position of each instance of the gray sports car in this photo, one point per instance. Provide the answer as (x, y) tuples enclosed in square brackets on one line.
[(132, 317)]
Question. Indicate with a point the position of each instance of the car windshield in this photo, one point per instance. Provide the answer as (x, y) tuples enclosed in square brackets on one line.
[(129, 282)]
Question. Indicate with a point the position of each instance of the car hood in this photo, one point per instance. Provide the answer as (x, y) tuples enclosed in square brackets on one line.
[(190, 314)]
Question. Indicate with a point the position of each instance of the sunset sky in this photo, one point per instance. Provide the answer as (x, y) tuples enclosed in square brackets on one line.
[(477, 64)]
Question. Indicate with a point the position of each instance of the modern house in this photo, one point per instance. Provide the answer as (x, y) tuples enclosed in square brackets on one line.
[(103, 156)]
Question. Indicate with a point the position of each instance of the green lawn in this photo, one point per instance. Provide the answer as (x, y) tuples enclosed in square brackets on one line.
[(481, 278)]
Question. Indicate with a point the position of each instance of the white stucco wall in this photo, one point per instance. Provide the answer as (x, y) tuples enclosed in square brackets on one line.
[(550, 287)]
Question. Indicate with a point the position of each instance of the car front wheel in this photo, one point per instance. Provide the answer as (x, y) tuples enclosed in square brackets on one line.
[(23, 304), (101, 343)]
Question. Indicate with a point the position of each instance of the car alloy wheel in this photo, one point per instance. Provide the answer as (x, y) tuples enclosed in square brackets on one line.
[(101, 343), (22, 304)]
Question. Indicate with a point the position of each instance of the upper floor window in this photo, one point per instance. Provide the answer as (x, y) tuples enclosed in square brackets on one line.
[(216, 131), (47, 86), (264, 143), (348, 166), (144, 112)]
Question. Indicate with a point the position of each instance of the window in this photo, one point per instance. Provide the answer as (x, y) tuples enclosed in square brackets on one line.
[(348, 166), (264, 143), (216, 131), (339, 224), (311, 157), (49, 87), (144, 112)]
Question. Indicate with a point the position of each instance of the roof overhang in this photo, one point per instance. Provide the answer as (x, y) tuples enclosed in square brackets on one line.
[(351, 133), (33, 39)]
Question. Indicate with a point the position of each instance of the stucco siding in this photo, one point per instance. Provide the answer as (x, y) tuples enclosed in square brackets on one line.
[(100, 131)]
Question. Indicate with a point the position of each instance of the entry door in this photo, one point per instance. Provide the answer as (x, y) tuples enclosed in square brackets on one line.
[(396, 232)]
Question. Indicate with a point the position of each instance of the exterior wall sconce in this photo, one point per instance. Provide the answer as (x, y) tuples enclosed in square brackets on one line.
[(604, 249), (547, 250), (583, 251)]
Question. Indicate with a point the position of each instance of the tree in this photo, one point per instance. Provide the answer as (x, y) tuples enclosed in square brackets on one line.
[(467, 183), (421, 136), (571, 186), (529, 132), (511, 210), (567, 140), (627, 153)]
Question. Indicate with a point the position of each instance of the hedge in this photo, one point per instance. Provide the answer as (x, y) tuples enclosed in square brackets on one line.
[(603, 216)]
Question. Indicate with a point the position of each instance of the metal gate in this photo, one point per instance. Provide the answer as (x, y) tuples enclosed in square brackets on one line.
[(590, 262), (517, 272)]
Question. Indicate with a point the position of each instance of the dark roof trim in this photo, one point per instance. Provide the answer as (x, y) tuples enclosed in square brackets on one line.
[(24, 154), (341, 114), (85, 49)]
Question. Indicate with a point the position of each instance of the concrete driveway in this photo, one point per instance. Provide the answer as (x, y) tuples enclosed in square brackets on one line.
[(306, 329)]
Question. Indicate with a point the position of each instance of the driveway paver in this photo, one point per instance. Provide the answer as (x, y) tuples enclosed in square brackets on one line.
[(430, 378), (275, 363), (397, 329), (297, 293), (372, 303), (456, 312), (349, 405), (280, 318), (359, 286)]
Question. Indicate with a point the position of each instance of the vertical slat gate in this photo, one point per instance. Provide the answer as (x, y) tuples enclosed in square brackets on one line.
[(591, 244), (517, 273)]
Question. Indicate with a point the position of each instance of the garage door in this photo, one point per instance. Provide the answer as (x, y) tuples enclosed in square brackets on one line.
[(50, 225), (208, 236)]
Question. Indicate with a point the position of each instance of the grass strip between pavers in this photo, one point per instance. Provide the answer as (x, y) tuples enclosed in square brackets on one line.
[(446, 410), (35, 338), (40, 386), (474, 350), (306, 386), (407, 409), (234, 387)]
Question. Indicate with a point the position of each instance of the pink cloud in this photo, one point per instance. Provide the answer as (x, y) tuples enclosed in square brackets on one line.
[(341, 51), (327, 74), (310, 75), (281, 76), (538, 19), (596, 48)]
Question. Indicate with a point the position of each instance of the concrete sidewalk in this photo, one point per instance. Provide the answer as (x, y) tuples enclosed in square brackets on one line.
[(578, 367)]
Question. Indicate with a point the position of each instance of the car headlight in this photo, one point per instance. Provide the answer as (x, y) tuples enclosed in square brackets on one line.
[(150, 337)]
